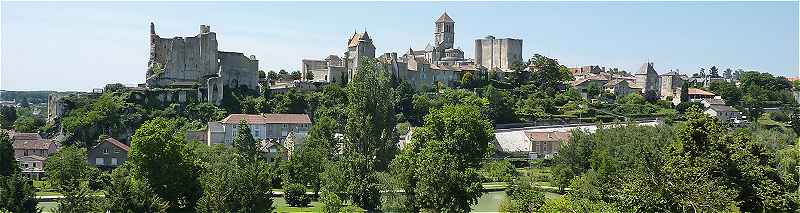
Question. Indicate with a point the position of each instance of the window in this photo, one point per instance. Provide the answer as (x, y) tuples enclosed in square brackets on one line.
[(26, 152), (99, 161), (105, 151), (34, 164), (114, 161)]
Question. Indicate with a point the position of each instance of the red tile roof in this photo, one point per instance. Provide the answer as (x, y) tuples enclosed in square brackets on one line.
[(32, 144), (116, 143), (548, 136), (26, 136), (268, 119), (695, 91)]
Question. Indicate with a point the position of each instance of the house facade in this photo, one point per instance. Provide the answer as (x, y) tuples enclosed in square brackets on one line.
[(108, 154), (274, 127), (546, 144), (26, 144), (32, 166)]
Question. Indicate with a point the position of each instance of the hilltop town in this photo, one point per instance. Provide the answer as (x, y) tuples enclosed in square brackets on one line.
[(424, 129)]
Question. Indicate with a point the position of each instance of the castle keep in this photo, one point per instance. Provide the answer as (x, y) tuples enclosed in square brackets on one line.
[(191, 64)]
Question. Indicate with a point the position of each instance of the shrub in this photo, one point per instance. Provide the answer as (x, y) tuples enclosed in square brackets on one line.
[(330, 202), (295, 195), (499, 171)]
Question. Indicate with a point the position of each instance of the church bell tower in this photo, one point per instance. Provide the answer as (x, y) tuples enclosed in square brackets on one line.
[(444, 32)]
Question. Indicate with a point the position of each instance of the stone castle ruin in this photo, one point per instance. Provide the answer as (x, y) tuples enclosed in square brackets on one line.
[(189, 64)]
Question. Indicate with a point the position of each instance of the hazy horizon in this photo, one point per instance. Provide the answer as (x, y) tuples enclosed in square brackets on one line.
[(77, 46)]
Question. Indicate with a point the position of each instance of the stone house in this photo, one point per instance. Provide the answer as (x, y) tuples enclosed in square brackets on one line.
[(274, 127), (26, 144), (32, 166), (108, 154), (546, 144), (619, 87), (670, 85)]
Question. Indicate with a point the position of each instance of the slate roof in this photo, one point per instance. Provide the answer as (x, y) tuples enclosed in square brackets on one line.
[(268, 119), (722, 108), (445, 18), (714, 101)]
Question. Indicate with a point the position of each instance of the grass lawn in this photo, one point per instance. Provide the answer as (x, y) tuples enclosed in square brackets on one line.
[(281, 206)]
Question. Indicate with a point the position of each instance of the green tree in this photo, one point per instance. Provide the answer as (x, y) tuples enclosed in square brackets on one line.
[(437, 169), (685, 92), (594, 90), (68, 167), (522, 197), (319, 148), (291, 102), (295, 75), (127, 194), (8, 114), (158, 155), (547, 74), (17, 194), (466, 80), (296, 195), (28, 124), (499, 171), (244, 143), (500, 105), (370, 122), (233, 183), (8, 163), (729, 92)]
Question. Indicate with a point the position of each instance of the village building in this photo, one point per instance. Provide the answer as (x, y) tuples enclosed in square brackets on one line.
[(699, 94), (274, 127), (724, 113), (31, 152), (546, 144), (32, 166), (26, 144), (670, 84), (108, 154), (619, 87)]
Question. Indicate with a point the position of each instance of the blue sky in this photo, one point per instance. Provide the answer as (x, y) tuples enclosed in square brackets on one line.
[(85, 45)]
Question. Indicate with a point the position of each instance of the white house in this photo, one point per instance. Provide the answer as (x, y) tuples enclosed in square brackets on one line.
[(724, 113)]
